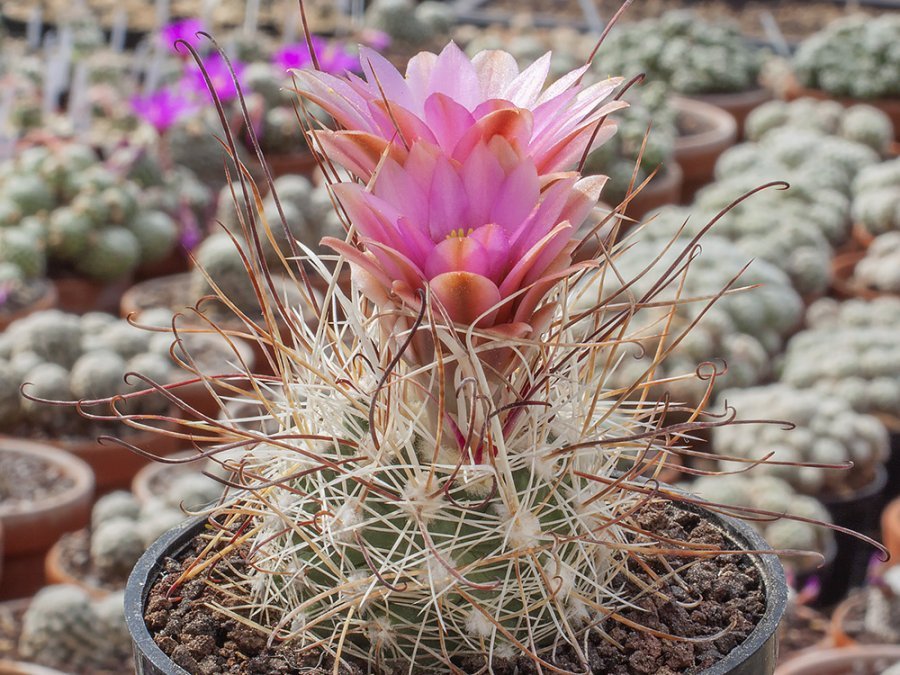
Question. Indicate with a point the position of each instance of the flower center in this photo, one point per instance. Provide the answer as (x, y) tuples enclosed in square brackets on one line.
[(460, 233)]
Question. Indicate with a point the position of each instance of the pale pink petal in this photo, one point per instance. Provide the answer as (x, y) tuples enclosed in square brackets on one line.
[(517, 198), (569, 150), (357, 151), (383, 77), (554, 198), (466, 297), (496, 250), (544, 250), (582, 199), (512, 124), (448, 120), (454, 75), (336, 96), (457, 254), (482, 176), (395, 264), (525, 89), (564, 83), (447, 200), (418, 76), (398, 124), (359, 259), (395, 185), (495, 69)]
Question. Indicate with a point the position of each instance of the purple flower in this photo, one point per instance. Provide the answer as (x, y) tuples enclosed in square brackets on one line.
[(163, 108), (333, 57), (186, 30), (223, 83)]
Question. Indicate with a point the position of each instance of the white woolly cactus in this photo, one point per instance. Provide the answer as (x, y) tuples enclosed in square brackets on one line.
[(859, 364), (879, 270), (881, 312), (773, 495), (876, 198), (827, 431), (859, 123), (854, 56), (742, 331), (689, 54)]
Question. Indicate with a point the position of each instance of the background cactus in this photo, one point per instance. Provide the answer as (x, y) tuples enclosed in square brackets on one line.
[(689, 54), (876, 198), (879, 270), (64, 628), (827, 431), (860, 123), (853, 57), (744, 329), (775, 495)]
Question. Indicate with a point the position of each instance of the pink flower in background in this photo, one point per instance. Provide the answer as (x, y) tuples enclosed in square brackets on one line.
[(454, 102), (164, 108), (220, 76), (185, 30), (333, 56), (376, 39), (488, 235)]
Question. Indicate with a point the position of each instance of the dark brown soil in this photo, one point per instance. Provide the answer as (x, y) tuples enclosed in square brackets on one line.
[(26, 479), (75, 558), (729, 587)]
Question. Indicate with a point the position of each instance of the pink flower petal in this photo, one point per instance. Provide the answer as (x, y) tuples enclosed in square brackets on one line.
[(525, 89), (457, 254), (496, 250), (482, 176), (418, 76), (466, 297), (447, 119), (516, 198), (495, 69), (454, 75), (447, 200), (383, 77)]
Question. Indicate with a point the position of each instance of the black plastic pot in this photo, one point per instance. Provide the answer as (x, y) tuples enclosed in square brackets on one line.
[(755, 656), (892, 489), (860, 513)]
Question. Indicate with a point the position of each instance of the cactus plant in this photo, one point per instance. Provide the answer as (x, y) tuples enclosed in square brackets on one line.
[(879, 270), (689, 54), (827, 431), (876, 198), (773, 495), (64, 628), (853, 57), (859, 123)]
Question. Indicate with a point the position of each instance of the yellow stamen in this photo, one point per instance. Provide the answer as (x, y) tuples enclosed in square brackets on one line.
[(460, 233)]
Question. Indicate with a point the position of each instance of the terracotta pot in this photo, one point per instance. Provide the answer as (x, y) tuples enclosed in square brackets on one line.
[(142, 483), (710, 132), (889, 106), (30, 531), (739, 104), (868, 660), (48, 300), (19, 668), (80, 296), (174, 263), (890, 530), (665, 188), (114, 465), (298, 163), (56, 573)]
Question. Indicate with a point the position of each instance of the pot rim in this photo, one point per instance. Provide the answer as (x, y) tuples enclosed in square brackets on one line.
[(723, 131), (146, 572), (77, 468)]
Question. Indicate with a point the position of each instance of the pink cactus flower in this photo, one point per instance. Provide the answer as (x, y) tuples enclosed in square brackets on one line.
[(488, 236), (454, 102), (185, 30)]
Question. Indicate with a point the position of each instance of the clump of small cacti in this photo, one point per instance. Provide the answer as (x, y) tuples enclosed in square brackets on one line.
[(827, 431), (859, 364), (881, 312), (65, 628), (859, 123), (879, 270), (65, 357), (689, 54), (855, 57), (618, 157), (876, 198), (777, 496), (65, 209), (743, 330), (409, 22)]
